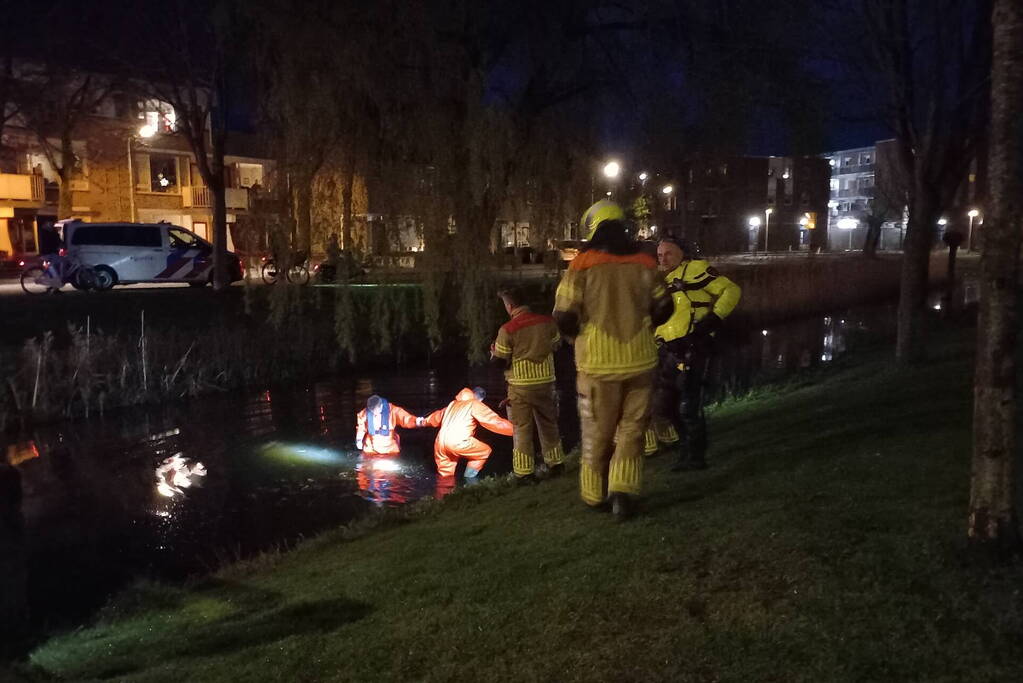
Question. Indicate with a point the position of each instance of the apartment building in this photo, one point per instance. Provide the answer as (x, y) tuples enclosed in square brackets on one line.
[(130, 165), (754, 204)]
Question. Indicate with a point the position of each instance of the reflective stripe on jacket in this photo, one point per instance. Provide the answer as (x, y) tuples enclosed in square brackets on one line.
[(612, 295), (527, 342)]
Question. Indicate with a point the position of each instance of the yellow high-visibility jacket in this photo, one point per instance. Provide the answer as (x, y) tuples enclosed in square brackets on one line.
[(696, 290)]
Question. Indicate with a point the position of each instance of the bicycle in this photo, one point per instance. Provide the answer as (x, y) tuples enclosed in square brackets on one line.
[(297, 274), (56, 270)]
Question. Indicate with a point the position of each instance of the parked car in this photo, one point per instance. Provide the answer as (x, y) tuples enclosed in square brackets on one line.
[(128, 253), (569, 249)]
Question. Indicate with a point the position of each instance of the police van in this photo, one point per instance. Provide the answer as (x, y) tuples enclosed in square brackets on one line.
[(129, 253)]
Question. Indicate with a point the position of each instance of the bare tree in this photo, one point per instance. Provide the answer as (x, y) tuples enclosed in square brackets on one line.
[(928, 62), (887, 198), (55, 101), (993, 522), (182, 58)]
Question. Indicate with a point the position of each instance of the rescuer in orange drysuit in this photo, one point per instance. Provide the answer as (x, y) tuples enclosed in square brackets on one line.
[(456, 438), (375, 433)]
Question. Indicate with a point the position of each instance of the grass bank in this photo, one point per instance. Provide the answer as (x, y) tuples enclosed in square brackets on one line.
[(825, 544)]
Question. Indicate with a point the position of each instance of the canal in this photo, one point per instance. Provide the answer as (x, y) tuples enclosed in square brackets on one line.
[(176, 491)]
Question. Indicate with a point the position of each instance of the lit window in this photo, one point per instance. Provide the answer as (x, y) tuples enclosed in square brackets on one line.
[(163, 173), (159, 115)]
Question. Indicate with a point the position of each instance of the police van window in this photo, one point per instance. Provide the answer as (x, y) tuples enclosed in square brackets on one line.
[(181, 238), (116, 235)]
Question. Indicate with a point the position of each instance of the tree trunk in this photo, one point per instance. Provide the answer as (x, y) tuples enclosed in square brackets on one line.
[(909, 347), (873, 237), (66, 172), (347, 190), (218, 192), (993, 525), (221, 278), (304, 212)]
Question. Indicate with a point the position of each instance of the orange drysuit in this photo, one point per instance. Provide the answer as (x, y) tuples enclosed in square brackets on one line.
[(378, 436), (456, 437)]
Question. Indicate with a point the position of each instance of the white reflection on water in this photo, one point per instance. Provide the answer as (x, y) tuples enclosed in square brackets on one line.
[(175, 474)]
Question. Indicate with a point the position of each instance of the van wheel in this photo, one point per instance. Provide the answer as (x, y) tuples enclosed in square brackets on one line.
[(106, 278)]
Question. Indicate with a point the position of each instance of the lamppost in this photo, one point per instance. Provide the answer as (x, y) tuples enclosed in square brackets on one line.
[(611, 171), (848, 224), (972, 213), (145, 132), (754, 224), (767, 227)]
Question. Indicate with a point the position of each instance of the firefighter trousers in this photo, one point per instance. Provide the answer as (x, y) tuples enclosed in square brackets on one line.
[(534, 409), (607, 407)]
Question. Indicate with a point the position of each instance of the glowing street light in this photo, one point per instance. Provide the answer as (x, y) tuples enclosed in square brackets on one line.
[(754, 222), (767, 225), (147, 131), (942, 222), (667, 189), (612, 169), (848, 224), (643, 176), (972, 213)]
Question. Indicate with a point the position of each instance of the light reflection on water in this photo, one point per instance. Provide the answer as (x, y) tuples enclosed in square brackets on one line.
[(242, 473)]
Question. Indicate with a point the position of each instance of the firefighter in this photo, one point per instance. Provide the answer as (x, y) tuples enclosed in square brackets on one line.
[(376, 427), (456, 438), (524, 349), (702, 298), (608, 303)]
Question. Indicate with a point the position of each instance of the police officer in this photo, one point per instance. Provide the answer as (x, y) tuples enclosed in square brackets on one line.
[(702, 299)]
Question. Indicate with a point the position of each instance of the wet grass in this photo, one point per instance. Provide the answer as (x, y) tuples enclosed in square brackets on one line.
[(825, 544)]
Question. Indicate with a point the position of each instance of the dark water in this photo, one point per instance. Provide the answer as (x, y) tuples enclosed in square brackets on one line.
[(174, 491)]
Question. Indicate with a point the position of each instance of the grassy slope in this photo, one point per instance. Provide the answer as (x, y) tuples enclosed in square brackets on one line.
[(824, 545)]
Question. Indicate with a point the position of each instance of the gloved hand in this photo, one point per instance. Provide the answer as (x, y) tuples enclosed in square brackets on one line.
[(710, 324), (677, 285)]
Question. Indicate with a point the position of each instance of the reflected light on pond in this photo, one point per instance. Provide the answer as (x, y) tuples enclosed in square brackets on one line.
[(177, 473), (303, 452)]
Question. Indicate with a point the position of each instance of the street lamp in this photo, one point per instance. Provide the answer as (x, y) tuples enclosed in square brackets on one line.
[(754, 224), (612, 169), (145, 132), (643, 176), (848, 224), (972, 213), (767, 226), (667, 189)]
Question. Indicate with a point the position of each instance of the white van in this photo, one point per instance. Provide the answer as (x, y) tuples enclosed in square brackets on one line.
[(129, 253)]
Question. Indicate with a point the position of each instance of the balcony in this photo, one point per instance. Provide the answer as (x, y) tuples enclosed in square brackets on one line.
[(22, 188), (200, 197)]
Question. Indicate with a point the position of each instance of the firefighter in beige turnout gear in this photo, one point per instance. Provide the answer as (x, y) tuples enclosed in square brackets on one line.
[(525, 349), (608, 302)]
